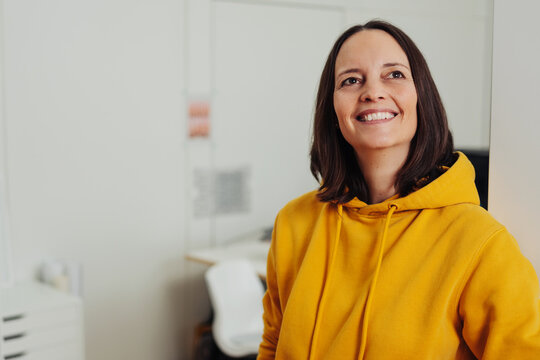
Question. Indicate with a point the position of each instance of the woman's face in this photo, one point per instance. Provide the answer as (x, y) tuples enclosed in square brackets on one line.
[(374, 93)]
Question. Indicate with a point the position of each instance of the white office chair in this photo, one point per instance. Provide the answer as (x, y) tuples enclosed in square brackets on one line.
[(236, 294)]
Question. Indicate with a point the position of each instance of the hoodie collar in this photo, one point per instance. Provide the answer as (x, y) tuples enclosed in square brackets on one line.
[(454, 186)]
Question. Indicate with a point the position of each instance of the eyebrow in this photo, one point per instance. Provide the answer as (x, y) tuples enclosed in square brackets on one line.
[(355, 70), (396, 64)]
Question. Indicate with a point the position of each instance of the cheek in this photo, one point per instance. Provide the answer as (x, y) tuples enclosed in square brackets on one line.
[(338, 106), (413, 113), (414, 104), (412, 98), (409, 102), (411, 105), (342, 106)]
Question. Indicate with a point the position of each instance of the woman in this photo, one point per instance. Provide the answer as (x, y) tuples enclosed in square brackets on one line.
[(392, 258)]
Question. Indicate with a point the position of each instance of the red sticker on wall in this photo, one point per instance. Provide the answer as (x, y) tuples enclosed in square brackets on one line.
[(199, 118)]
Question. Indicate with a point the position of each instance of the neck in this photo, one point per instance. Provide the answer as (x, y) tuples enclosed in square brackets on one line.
[(380, 168)]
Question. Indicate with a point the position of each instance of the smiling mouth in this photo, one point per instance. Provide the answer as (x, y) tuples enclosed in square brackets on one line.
[(376, 116)]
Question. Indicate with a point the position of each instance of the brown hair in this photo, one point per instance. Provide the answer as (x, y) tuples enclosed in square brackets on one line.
[(333, 160)]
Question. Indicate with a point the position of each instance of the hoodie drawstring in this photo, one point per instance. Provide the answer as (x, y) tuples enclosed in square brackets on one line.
[(371, 293), (318, 319)]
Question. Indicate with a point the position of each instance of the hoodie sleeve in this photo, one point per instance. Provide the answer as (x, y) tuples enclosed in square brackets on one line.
[(500, 302), (272, 308)]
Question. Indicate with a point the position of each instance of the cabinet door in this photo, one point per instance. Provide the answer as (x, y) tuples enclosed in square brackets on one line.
[(267, 64), (64, 351)]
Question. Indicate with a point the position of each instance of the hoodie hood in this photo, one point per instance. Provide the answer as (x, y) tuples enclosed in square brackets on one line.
[(455, 186)]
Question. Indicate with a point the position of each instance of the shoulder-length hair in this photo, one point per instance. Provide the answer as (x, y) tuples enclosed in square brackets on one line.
[(333, 160)]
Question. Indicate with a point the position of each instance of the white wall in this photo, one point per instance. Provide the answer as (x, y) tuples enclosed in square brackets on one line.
[(514, 175), (94, 118), (6, 271)]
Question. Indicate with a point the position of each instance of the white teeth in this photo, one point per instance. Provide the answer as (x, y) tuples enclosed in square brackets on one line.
[(377, 116)]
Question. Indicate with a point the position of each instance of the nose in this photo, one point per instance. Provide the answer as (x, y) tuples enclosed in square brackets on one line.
[(372, 90)]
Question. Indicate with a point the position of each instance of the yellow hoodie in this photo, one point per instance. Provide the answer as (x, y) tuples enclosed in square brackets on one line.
[(449, 283)]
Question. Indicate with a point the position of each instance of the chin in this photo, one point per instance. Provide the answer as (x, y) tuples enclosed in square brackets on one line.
[(382, 146)]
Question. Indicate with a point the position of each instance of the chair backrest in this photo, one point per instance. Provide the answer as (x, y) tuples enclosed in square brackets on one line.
[(236, 294)]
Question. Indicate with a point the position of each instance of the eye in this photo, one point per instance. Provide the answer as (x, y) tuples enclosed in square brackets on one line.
[(350, 81), (396, 75)]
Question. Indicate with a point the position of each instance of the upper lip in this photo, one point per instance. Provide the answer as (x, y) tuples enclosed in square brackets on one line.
[(373, 111)]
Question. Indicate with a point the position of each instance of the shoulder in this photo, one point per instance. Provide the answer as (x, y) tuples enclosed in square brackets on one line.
[(306, 203), (465, 229), (486, 238), (472, 218), (297, 219)]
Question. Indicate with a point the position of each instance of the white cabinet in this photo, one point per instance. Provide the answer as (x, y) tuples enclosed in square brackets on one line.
[(40, 323)]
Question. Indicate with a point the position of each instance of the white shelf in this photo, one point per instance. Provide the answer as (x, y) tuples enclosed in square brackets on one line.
[(39, 322)]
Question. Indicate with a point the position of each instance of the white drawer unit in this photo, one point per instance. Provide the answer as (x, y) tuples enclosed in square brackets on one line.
[(40, 323)]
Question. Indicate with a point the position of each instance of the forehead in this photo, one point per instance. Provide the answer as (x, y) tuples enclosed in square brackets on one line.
[(370, 47)]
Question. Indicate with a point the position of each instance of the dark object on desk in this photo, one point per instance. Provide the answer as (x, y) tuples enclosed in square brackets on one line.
[(267, 234), (480, 161), (205, 347)]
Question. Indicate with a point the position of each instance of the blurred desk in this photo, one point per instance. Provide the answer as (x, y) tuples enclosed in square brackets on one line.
[(255, 250)]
